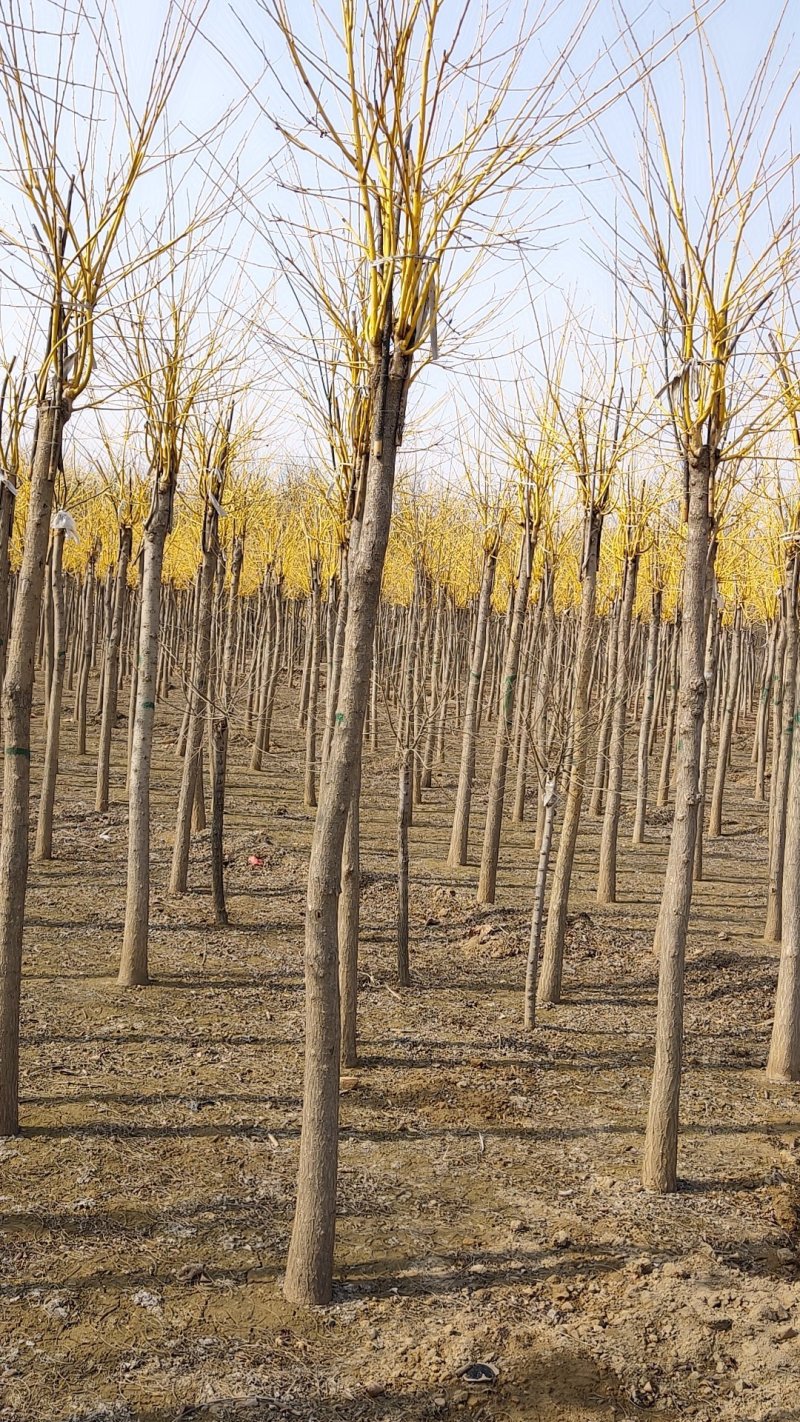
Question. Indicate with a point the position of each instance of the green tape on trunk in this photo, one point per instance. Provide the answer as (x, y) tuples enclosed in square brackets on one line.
[(149, 705), (18, 750)]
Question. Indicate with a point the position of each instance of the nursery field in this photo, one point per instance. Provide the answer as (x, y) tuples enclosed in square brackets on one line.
[(400, 711)]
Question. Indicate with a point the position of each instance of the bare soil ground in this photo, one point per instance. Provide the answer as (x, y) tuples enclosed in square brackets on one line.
[(490, 1203)]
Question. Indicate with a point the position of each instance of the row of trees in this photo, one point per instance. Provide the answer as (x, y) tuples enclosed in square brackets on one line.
[(579, 595)]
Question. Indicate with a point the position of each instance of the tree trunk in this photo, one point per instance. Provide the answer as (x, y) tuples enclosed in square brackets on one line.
[(47, 798), (309, 1270), (17, 701), (713, 629), (460, 832), (310, 779), (198, 706), (81, 699), (487, 879), (648, 706), (109, 717), (537, 915), (349, 926), (726, 731), (660, 1163), (553, 956), (220, 723), (762, 727), (783, 1063), (607, 876), (8, 503), (773, 925), (133, 968), (404, 793), (672, 711)]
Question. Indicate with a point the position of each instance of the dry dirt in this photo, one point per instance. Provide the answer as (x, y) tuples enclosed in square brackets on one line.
[(489, 1206)]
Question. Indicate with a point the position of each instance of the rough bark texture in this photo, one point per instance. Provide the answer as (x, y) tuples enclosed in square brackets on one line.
[(47, 799), (17, 701), (648, 706), (773, 925), (109, 717), (487, 879), (309, 1269), (672, 711), (726, 729), (198, 704), (553, 957), (537, 915), (660, 1163), (460, 832), (783, 1063), (607, 876), (133, 968)]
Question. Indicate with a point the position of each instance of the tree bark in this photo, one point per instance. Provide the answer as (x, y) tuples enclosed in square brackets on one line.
[(773, 925), (537, 916), (459, 836), (607, 876), (109, 717), (783, 1062), (726, 729), (659, 1167), (134, 968), (44, 824), (17, 703), (309, 1270), (672, 711), (487, 879), (553, 957), (648, 706), (198, 705)]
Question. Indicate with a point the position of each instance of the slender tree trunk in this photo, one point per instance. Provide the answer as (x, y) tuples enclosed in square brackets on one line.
[(337, 652), (672, 711), (404, 792), (601, 762), (309, 1271), (437, 690), (537, 916), (198, 703), (648, 706), (47, 799), (310, 779), (109, 717), (220, 724), (660, 1163), (553, 957), (607, 877), (505, 721), (17, 702), (713, 630), (349, 927), (773, 925), (726, 730), (783, 1063), (762, 727), (82, 697), (460, 832), (7, 508), (134, 968)]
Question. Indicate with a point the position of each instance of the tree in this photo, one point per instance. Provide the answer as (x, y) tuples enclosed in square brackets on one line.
[(714, 290), (409, 185), (49, 131)]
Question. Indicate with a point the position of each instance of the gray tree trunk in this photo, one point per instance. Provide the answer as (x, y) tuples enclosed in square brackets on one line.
[(660, 1162)]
